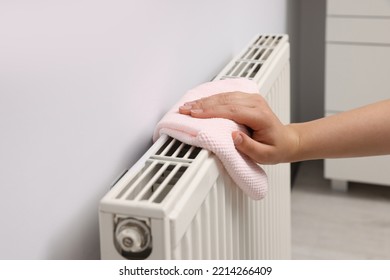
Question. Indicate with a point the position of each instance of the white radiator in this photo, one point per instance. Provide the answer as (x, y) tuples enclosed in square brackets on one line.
[(178, 202)]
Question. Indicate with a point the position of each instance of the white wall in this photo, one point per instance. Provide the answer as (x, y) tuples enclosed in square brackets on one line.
[(82, 85)]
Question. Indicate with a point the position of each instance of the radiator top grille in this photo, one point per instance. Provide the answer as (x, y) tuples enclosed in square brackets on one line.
[(249, 64), (161, 172)]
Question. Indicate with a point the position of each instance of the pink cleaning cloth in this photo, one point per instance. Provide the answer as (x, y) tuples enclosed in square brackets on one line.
[(214, 134)]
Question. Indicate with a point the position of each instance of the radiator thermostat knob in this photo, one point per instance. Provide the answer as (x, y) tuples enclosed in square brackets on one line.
[(133, 236)]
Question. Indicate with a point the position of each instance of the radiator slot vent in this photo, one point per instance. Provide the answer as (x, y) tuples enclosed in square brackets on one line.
[(160, 173), (166, 182), (250, 63), (173, 148)]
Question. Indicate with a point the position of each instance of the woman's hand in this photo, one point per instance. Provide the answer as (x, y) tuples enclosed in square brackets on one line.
[(271, 142)]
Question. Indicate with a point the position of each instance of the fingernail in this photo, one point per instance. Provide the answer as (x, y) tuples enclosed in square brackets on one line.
[(237, 138), (196, 111), (186, 107), (190, 103)]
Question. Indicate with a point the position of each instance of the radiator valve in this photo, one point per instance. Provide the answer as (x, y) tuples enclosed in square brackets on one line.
[(133, 238)]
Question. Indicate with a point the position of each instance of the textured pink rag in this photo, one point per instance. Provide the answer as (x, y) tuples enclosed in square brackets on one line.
[(214, 134)]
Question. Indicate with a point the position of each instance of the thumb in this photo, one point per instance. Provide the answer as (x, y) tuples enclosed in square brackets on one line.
[(253, 149)]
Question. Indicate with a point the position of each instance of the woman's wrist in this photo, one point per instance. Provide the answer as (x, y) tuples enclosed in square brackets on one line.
[(294, 139)]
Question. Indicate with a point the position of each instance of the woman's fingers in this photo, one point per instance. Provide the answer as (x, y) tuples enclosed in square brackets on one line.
[(240, 114), (221, 99), (257, 151), (239, 107)]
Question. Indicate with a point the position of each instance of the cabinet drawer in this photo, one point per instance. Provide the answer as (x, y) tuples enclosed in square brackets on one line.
[(373, 170), (359, 7), (358, 30), (356, 75)]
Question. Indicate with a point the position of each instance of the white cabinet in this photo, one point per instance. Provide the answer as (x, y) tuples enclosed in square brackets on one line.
[(357, 73)]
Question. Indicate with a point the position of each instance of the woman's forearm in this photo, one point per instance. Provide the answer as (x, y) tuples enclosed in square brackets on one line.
[(361, 132)]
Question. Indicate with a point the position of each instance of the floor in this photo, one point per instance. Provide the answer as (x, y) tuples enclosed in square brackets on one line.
[(338, 225)]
